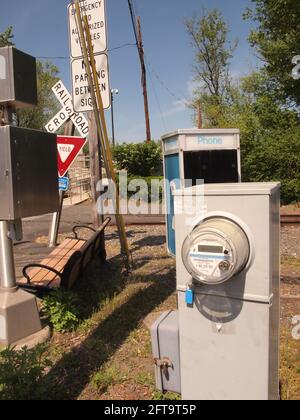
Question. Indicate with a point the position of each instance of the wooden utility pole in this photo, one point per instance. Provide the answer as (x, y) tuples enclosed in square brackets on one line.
[(136, 23), (144, 77), (199, 115)]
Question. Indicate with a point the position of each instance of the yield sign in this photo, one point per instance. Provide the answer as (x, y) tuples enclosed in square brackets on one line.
[(68, 149)]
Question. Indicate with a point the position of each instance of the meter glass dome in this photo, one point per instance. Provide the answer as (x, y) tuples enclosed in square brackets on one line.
[(215, 251)]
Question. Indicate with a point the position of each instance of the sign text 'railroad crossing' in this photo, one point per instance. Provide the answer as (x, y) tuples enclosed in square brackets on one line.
[(67, 112)]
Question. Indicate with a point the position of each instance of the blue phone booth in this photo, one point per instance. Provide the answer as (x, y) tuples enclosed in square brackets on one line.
[(212, 155)]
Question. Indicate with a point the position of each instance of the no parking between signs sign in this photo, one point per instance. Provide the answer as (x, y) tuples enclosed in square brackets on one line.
[(81, 93), (68, 149)]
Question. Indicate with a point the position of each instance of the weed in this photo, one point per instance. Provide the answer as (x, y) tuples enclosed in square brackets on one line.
[(62, 309), (168, 396), (144, 378), (107, 377), (21, 372)]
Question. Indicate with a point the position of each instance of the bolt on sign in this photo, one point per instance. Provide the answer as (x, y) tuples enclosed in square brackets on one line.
[(81, 92), (95, 12)]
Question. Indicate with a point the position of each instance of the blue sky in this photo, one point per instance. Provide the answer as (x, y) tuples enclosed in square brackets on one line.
[(41, 29)]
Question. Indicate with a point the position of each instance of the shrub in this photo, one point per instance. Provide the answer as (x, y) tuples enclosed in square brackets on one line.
[(141, 159), (275, 156), (147, 193), (62, 308), (21, 372)]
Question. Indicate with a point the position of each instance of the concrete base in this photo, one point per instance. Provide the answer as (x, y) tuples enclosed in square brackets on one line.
[(33, 340), (19, 317)]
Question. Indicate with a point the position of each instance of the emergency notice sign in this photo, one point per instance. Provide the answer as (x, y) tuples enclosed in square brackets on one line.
[(95, 12), (81, 92)]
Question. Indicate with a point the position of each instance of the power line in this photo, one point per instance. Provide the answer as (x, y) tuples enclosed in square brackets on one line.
[(154, 72), (158, 103), (128, 44), (133, 20)]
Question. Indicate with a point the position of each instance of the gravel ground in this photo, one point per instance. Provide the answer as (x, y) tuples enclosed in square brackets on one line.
[(290, 240)]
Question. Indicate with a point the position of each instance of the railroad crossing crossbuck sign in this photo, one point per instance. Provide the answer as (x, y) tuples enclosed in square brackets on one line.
[(67, 112), (68, 149)]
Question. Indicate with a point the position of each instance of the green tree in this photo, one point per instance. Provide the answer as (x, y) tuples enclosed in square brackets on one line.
[(38, 116), (209, 39), (277, 41), (6, 37)]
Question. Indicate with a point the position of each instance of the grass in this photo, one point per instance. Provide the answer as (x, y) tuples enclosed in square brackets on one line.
[(290, 263), (290, 366), (107, 377)]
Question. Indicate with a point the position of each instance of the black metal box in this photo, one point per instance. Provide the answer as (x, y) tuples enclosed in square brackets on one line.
[(28, 173), (18, 78)]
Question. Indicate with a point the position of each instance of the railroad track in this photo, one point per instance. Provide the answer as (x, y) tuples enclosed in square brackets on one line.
[(292, 219)]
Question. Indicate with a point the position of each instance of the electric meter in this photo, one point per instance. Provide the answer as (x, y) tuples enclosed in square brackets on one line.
[(215, 251)]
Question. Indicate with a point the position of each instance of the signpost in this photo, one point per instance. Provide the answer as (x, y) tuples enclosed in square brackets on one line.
[(95, 12), (68, 148), (81, 92), (63, 183)]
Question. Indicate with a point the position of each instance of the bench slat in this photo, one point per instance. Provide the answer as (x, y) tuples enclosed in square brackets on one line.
[(53, 254), (57, 260)]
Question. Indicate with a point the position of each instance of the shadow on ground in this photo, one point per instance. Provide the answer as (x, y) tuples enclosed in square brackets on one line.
[(70, 376)]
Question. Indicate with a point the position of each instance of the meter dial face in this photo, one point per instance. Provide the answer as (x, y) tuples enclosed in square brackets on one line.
[(215, 251)]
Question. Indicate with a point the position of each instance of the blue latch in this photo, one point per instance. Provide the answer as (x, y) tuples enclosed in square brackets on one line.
[(189, 297)]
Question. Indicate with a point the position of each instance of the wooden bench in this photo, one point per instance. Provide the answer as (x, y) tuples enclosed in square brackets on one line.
[(66, 262)]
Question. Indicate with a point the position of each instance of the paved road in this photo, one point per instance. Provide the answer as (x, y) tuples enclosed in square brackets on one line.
[(73, 215)]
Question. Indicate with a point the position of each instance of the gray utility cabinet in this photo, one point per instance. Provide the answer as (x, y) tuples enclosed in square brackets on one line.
[(28, 173), (18, 78), (229, 333), (165, 345)]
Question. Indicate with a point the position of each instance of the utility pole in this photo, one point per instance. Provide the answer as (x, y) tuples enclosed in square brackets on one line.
[(199, 115), (144, 79), (140, 46)]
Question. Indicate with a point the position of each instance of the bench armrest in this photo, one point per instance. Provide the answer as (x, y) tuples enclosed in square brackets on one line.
[(102, 227), (27, 277), (74, 230)]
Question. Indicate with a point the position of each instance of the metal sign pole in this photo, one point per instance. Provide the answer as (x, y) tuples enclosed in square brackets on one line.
[(56, 218), (7, 265)]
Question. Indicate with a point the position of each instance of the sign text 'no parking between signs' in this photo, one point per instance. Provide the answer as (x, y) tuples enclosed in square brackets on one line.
[(95, 12), (81, 91)]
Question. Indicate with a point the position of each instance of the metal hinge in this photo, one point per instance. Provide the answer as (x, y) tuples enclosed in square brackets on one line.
[(164, 364)]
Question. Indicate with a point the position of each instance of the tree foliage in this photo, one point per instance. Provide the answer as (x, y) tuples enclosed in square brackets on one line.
[(139, 159), (256, 104), (38, 116), (47, 75), (277, 40), (209, 39), (6, 38)]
